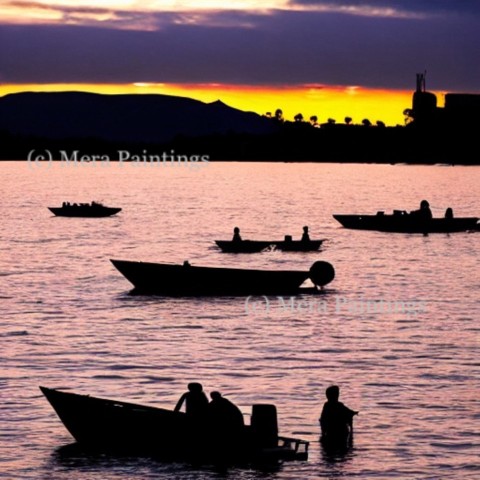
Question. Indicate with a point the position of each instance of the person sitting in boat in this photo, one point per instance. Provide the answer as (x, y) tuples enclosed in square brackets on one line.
[(449, 213), (224, 415), (305, 236), (236, 235), (196, 402), (336, 420), (424, 212)]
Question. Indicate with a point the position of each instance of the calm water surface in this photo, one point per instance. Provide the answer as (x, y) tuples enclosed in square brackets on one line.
[(397, 329)]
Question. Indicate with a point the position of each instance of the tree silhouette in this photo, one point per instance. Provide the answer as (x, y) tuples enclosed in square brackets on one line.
[(314, 120), (279, 115), (298, 117), (366, 122), (409, 118), (380, 124), (331, 121), (348, 120)]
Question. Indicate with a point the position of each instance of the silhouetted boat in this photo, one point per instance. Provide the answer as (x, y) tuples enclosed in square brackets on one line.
[(402, 222), (187, 280), (255, 246), (119, 427), (93, 209)]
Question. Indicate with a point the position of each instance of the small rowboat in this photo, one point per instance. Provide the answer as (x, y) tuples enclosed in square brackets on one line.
[(188, 280), (115, 427), (255, 246), (402, 222), (92, 210)]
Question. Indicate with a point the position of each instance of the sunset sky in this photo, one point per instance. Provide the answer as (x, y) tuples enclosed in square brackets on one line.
[(329, 58)]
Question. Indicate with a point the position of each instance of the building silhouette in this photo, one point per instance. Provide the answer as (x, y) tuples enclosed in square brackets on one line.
[(460, 111)]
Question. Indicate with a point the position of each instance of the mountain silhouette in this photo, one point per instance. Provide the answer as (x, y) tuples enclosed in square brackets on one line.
[(126, 118), (99, 124)]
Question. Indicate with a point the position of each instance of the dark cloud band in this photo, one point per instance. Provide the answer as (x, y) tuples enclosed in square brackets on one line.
[(282, 48), (401, 7)]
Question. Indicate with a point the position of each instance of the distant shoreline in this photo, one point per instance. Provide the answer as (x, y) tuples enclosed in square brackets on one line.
[(173, 166), (387, 145), (73, 126)]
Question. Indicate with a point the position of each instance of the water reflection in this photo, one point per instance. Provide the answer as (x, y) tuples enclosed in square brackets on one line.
[(74, 462)]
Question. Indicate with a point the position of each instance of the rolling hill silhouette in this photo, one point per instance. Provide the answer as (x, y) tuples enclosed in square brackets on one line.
[(96, 124), (126, 118)]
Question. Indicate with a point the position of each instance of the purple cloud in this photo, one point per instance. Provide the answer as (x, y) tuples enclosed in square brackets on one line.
[(282, 48)]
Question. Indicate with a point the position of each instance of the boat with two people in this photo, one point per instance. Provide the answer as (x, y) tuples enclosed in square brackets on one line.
[(93, 210), (188, 280), (116, 427), (238, 245), (416, 221)]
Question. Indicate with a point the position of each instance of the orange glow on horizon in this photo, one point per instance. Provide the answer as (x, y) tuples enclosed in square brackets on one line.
[(325, 102)]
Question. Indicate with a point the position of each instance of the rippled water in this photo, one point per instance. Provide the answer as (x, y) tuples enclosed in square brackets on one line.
[(409, 364)]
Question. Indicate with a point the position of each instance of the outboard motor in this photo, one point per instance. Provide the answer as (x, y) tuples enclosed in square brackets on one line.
[(321, 273), (264, 425)]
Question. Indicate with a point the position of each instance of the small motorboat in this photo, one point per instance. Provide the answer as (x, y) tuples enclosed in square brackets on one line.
[(255, 246), (189, 280), (94, 210), (115, 427), (403, 222)]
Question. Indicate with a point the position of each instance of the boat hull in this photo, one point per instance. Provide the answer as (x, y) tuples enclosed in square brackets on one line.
[(84, 211), (255, 246), (118, 426), (180, 280), (115, 427), (404, 223)]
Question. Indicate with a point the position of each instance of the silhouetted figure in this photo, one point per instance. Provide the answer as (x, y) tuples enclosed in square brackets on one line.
[(236, 235), (336, 420), (224, 413), (449, 213), (305, 236), (196, 402), (424, 213), (226, 425)]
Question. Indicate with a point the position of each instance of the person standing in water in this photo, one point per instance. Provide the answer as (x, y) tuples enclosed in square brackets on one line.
[(336, 420)]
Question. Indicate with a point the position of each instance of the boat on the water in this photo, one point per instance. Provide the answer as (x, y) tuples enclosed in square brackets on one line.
[(403, 222), (188, 280), (93, 209), (115, 427), (255, 246)]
